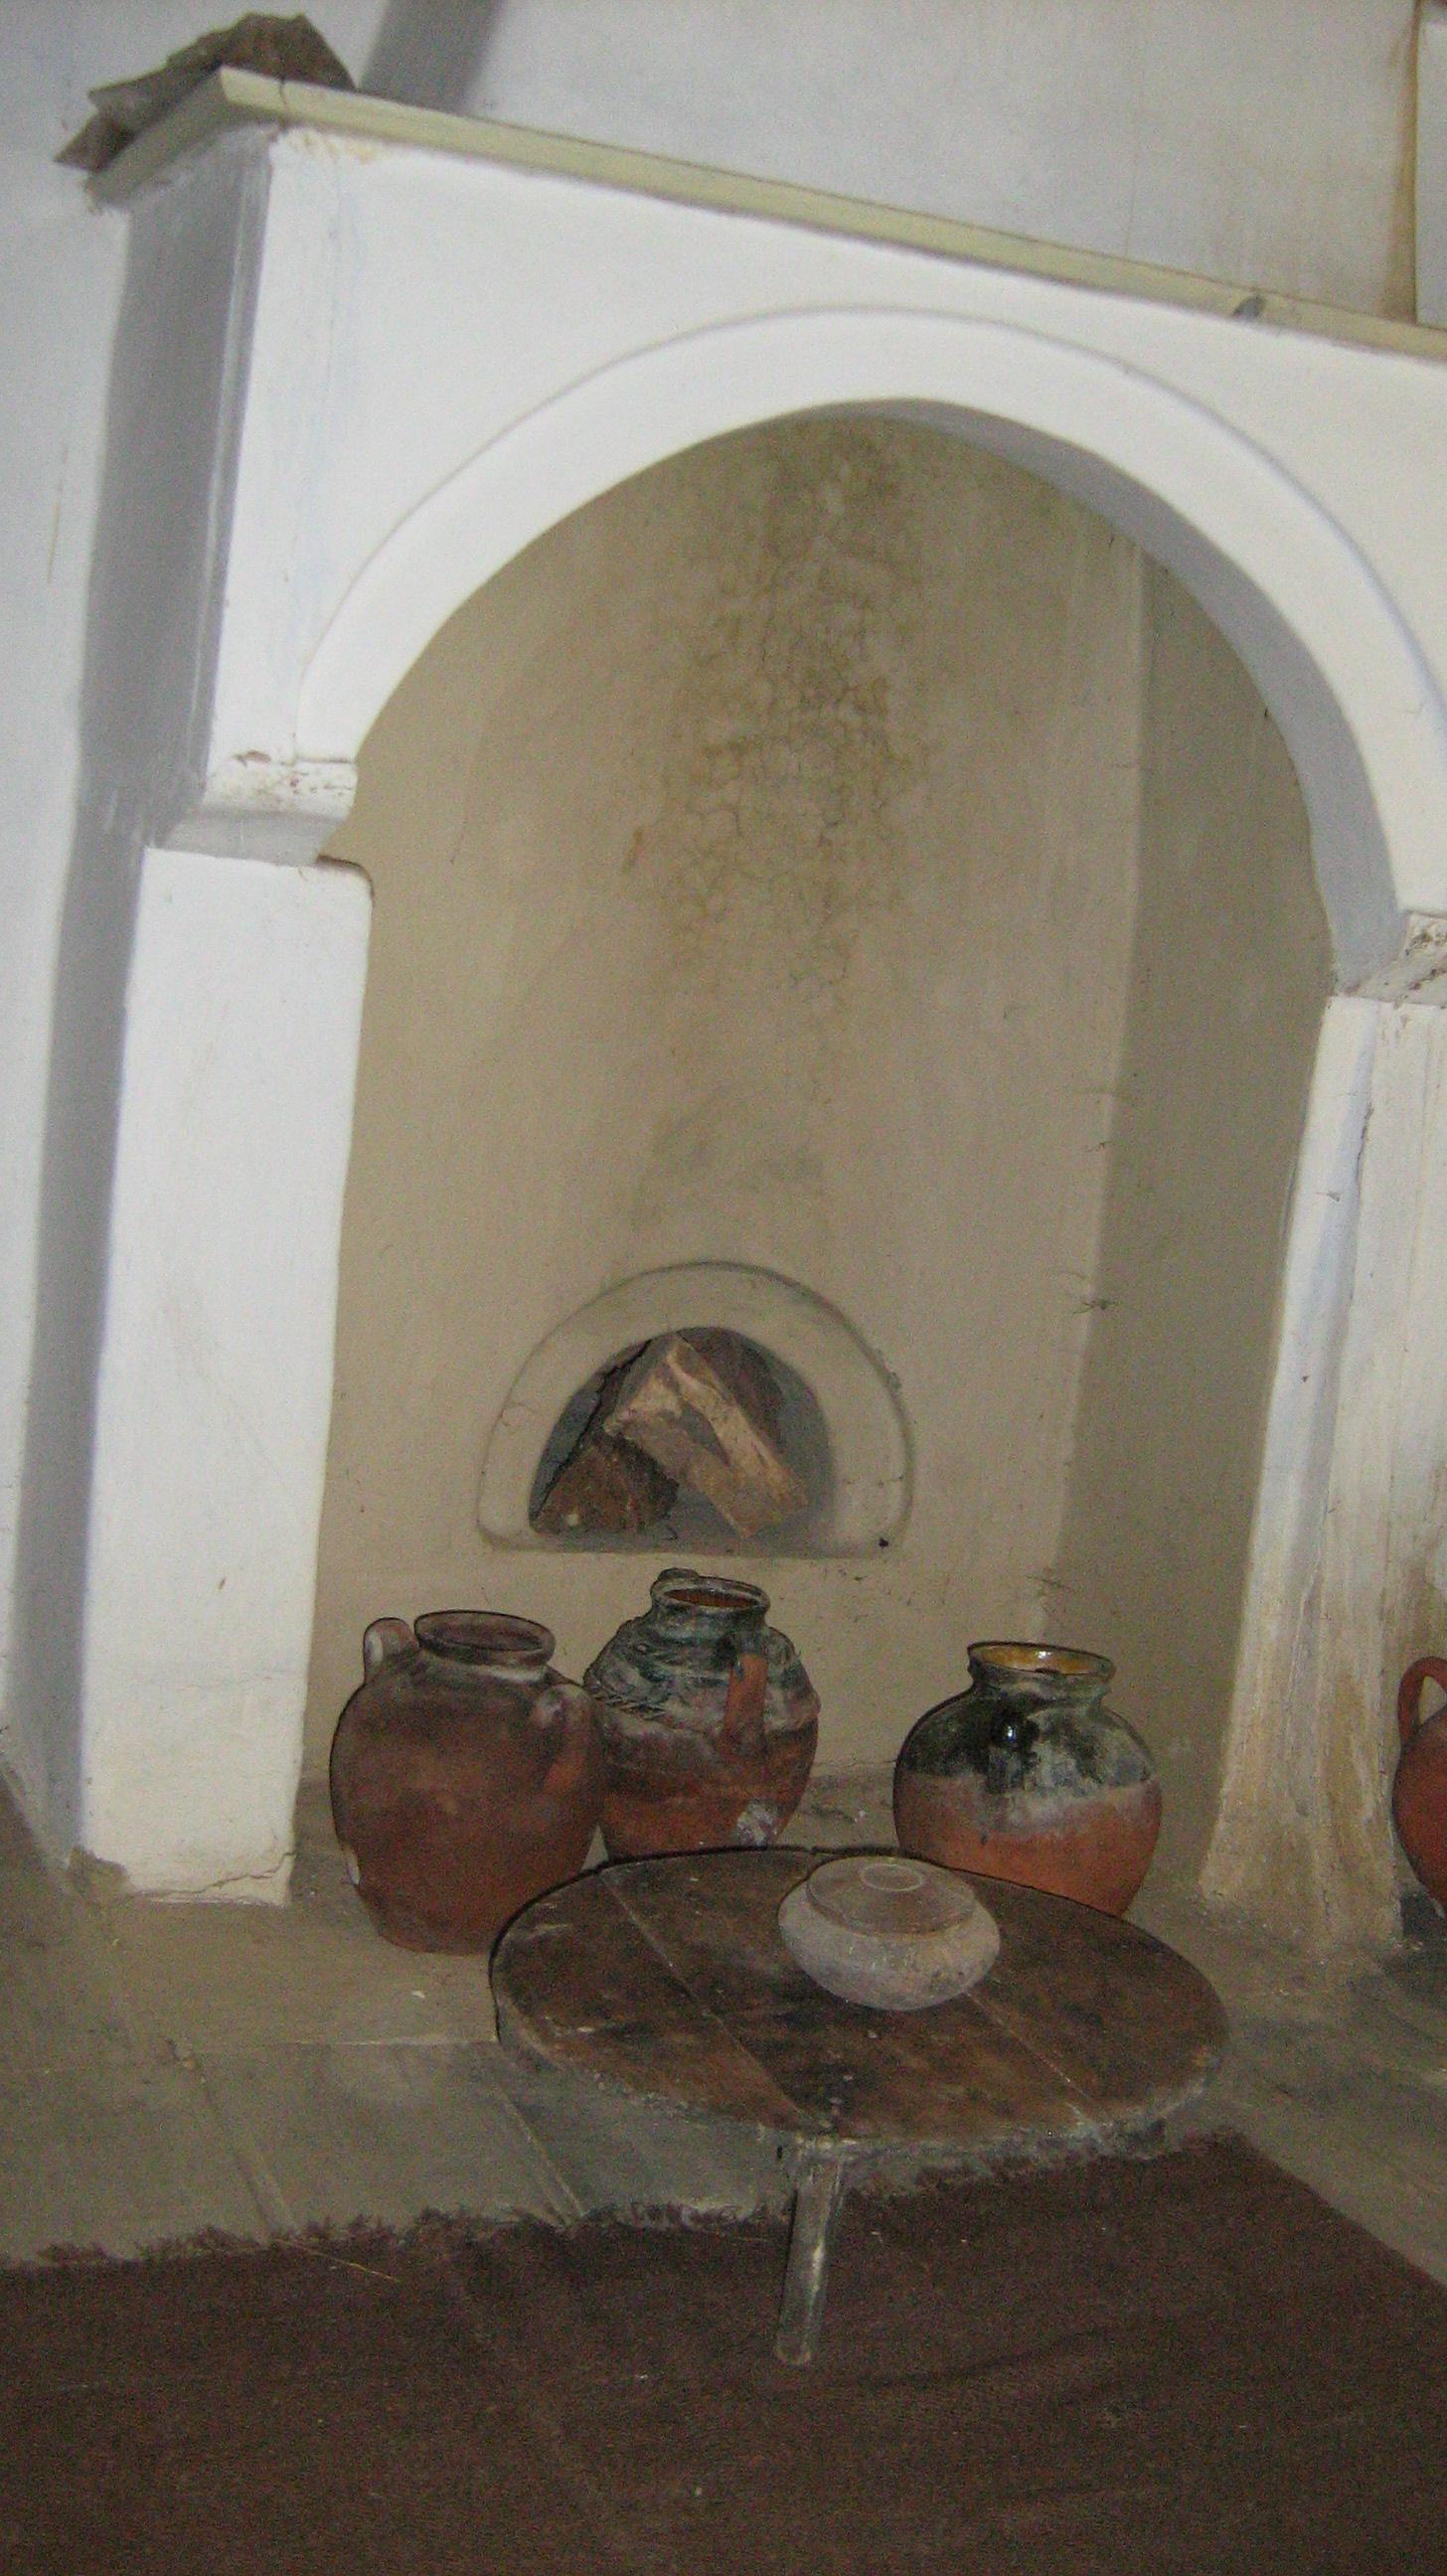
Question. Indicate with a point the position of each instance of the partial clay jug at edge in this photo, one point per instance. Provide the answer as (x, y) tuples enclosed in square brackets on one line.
[(1419, 1792), (466, 1776)]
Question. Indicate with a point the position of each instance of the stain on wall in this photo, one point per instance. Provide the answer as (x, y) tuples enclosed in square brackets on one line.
[(791, 744)]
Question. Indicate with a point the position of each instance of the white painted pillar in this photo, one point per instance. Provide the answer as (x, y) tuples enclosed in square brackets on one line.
[(243, 1014), (1349, 1530)]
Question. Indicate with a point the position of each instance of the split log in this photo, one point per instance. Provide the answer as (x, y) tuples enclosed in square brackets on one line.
[(695, 1413), (605, 1485), (745, 1372)]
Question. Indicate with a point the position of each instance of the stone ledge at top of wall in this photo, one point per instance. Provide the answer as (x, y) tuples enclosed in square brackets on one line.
[(232, 99)]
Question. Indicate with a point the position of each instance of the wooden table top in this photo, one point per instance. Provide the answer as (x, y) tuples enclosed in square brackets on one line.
[(668, 1979)]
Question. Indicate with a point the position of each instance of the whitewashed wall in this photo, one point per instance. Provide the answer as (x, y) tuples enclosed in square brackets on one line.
[(1263, 141), (1251, 139), (60, 284)]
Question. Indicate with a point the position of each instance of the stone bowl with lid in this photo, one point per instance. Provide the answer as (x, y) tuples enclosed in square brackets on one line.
[(880, 1929)]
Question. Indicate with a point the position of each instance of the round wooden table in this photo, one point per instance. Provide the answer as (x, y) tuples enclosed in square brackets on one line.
[(668, 1980)]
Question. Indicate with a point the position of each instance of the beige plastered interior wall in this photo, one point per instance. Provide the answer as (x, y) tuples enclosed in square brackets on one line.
[(1230, 967), (765, 871)]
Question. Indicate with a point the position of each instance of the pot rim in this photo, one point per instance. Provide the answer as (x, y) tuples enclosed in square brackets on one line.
[(1018, 1659), (486, 1640), (716, 1596)]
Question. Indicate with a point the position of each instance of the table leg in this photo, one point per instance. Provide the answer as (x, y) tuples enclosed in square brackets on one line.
[(818, 2192)]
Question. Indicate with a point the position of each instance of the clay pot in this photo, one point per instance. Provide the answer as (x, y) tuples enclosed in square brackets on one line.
[(466, 1776), (1419, 1792), (1029, 1776), (708, 1718)]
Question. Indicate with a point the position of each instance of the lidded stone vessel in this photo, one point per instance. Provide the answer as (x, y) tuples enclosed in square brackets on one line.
[(709, 1720), (466, 1776), (1028, 1775), (895, 1934)]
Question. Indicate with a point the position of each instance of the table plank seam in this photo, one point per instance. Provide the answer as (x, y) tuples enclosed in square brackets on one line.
[(795, 2118)]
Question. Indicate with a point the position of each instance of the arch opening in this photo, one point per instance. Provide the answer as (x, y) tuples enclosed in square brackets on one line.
[(1293, 595), (831, 878)]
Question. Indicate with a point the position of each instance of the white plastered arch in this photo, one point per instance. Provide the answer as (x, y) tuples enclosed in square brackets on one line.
[(1291, 592), (294, 507)]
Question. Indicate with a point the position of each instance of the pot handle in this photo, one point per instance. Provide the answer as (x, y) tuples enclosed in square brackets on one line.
[(383, 1642), (569, 1766), (1428, 1668), (743, 1718)]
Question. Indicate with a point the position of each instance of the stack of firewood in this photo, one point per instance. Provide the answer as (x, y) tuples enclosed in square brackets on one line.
[(697, 1412)]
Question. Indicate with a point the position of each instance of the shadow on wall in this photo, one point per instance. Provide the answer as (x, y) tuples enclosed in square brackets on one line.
[(428, 53), (130, 703), (1230, 972)]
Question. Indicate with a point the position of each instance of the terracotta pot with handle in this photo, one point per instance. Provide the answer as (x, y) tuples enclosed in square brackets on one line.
[(1419, 1792), (466, 1776), (709, 1720)]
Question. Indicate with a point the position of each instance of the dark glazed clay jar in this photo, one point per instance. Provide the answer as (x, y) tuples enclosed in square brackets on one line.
[(709, 1720), (466, 1776), (1419, 1792), (1028, 1775)]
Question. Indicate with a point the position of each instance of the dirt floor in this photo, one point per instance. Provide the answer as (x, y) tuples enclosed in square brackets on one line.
[(169, 2068)]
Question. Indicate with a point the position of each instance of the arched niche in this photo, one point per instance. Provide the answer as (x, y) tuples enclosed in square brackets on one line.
[(864, 1493)]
